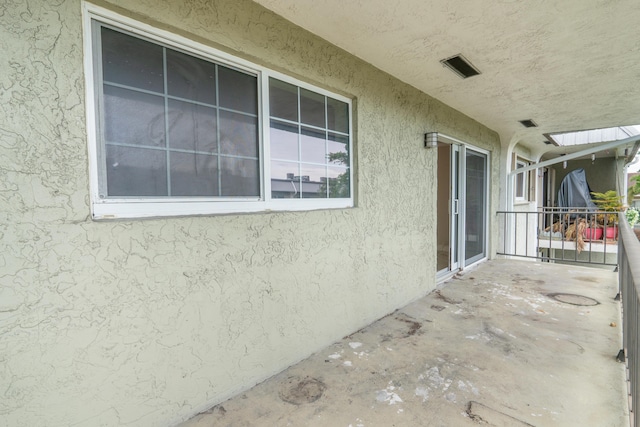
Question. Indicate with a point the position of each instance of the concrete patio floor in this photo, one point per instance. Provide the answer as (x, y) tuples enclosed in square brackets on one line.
[(492, 346)]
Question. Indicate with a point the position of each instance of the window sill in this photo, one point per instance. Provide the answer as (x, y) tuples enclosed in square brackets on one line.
[(166, 209)]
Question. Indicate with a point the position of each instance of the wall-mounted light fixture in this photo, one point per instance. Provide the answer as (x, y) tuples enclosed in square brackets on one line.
[(593, 158), (564, 164), (431, 140)]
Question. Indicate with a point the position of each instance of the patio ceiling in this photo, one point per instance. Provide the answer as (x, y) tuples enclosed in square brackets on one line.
[(567, 65)]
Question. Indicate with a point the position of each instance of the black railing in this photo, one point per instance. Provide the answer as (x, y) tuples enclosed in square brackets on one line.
[(576, 235), (629, 279)]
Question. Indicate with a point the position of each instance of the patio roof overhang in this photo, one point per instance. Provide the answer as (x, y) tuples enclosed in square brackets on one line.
[(568, 65), (635, 140)]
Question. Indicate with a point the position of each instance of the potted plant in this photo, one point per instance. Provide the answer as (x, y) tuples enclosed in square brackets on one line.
[(611, 203), (593, 231)]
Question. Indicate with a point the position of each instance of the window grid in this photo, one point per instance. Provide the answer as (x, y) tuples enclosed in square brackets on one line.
[(166, 148), (325, 130), (107, 207), (299, 163), (166, 119), (326, 145), (219, 145)]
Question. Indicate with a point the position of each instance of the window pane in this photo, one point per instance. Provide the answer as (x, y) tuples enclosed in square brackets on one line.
[(191, 78), (337, 115), (475, 205), (133, 117), (240, 177), (238, 134), (337, 149), (285, 180), (194, 174), (130, 61), (192, 127), (283, 100), (520, 185), (136, 171), (312, 108), (313, 146), (313, 182), (520, 181), (284, 141), (238, 91), (339, 184)]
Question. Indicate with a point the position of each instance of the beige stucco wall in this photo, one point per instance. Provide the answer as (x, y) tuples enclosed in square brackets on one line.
[(146, 322)]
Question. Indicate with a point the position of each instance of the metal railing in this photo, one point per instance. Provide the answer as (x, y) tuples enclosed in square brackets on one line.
[(628, 280), (577, 235)]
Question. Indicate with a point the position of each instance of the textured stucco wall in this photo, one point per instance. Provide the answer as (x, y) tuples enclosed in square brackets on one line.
[(146, 322)]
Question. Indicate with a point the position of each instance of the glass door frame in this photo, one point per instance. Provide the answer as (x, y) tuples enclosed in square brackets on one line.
[(457, 206), (485, 207)]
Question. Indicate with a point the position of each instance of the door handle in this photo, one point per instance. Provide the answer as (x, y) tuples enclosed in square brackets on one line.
[(455, 206)]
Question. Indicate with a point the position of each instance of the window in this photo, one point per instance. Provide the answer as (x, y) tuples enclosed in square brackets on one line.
[(181, 129), (309, 144), (521, 181)]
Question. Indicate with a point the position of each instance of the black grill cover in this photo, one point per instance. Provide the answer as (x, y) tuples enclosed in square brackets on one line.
[(575, 192)]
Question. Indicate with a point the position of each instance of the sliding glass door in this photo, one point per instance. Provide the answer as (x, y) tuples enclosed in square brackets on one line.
[(462, 206), (475, 224)]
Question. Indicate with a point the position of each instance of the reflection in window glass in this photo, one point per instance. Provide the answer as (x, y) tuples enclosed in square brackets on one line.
[(337, 115), (312, 108), (285, 180), (284, 141), (238, 134), (133, 117), (192, 127), (179, 129), (313, 146), (191, 78), (339, 182), (317, 145), (210, 150), (283, 100), (337, 149), (313, 180), (475, 205)]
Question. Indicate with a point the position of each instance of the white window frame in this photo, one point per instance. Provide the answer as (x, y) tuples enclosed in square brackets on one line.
[(112, 208)]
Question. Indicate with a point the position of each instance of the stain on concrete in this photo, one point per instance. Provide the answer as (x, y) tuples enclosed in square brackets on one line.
[(573, 299), (437, 307), (438, 294), (298, 391), (587, 279), (525, 280), (483, 414), (414, 326)]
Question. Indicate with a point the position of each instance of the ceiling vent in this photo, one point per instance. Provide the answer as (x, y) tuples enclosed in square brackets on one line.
[(461, 66), (528, 123)]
